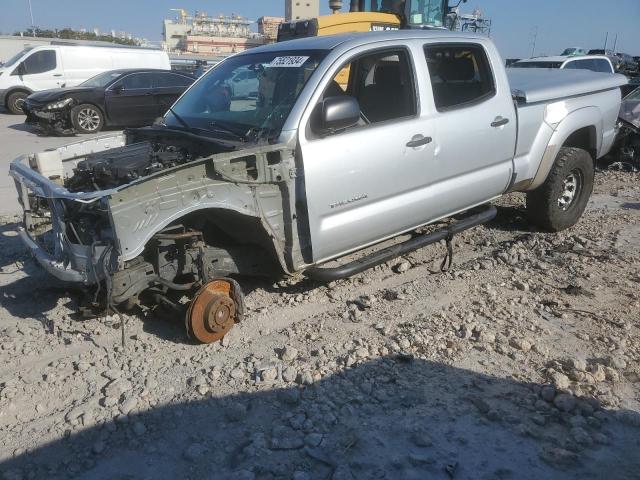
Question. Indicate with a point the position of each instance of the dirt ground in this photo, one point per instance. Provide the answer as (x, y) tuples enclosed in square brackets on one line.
[(522, 362)]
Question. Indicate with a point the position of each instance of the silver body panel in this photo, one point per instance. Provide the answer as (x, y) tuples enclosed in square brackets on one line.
[(363, 185)]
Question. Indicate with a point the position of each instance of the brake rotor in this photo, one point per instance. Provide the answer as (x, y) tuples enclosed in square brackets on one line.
[(214, 310)]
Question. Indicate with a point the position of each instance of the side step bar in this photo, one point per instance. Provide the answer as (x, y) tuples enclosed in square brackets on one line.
[(327, 274)]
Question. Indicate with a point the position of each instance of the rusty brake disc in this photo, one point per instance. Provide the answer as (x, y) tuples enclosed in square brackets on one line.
[(214, 310)]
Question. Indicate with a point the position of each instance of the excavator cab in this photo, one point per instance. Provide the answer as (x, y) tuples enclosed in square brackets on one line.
[(372, 15), (410, 13)]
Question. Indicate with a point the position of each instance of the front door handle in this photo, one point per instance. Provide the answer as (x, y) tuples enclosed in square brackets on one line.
[(499, 121), (418, 141), (57, 74)]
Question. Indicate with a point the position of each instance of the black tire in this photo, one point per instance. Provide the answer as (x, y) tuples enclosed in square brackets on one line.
[(87, 118), (559, 202), (15, 101)]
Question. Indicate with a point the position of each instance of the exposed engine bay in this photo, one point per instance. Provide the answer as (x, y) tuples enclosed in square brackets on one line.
[(120, 166), (145, 153)]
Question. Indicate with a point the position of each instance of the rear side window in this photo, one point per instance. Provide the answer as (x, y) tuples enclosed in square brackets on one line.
[(40, 62), (602, 66), (165, 80), (460, 75), (578, 65), (137, 81)]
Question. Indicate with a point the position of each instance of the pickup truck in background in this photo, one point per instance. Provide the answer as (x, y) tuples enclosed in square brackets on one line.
[(429, 126)]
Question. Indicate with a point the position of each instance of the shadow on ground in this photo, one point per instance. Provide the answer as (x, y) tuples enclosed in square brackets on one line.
[(390, 418)]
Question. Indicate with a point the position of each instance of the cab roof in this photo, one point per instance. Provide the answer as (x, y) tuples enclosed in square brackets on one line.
[(329, 42)]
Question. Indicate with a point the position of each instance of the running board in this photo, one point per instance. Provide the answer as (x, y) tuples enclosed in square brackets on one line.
[(328, 274)]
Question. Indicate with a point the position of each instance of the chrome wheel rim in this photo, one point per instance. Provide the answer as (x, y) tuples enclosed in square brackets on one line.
[(571, 186), (88, 119)]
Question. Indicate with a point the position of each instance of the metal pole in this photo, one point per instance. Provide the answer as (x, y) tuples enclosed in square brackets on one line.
[(615, 42), (605, 40), (33, 25), (535, 38)]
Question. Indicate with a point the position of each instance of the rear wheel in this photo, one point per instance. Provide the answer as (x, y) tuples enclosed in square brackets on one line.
[(87, 118), (560, 201), (15, 102)]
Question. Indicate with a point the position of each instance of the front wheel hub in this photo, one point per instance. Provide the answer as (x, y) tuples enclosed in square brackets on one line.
[(214, 310), (571, 188)]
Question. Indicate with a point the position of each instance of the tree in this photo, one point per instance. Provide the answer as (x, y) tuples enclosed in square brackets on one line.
[(71, 34)]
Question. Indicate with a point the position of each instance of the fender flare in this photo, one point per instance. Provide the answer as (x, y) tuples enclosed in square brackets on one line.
[(587, 117)]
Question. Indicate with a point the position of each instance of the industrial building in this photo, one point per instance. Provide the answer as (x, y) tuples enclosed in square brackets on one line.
[(203, 34), (297, 9)]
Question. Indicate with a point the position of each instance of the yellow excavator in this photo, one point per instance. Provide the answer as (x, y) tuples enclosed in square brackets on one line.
[(373, 15)]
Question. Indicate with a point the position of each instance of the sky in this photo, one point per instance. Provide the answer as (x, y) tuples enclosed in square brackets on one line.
[(559, 23)]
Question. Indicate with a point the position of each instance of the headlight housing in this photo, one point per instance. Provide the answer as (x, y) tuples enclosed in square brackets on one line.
[(60, 104)]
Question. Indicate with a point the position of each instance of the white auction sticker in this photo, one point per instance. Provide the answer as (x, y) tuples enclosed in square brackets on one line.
[(288, 61)]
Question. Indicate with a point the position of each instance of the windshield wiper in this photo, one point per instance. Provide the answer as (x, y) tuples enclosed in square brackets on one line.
[(180, 119), (217, 128)]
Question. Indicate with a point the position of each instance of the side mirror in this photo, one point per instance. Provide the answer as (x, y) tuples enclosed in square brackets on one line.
[(338, 113), (118, 89)]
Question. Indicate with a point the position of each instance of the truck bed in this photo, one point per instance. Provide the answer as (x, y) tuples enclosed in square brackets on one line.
[(534, 85)]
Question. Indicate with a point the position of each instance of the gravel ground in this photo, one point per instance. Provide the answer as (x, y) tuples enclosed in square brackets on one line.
[(522, 362)]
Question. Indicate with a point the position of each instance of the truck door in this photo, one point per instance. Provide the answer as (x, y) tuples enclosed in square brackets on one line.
[(365, 183), (475, 120)]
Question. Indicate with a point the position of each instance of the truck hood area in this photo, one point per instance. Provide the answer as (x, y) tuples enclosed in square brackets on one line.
[(533, 85), (115, 192)]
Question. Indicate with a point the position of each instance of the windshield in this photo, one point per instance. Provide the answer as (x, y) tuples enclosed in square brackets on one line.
[(634, 95), (101, 80), (537, 65), (426, 13), (571, 51), (15, 58), (596, 52), (246, 95)]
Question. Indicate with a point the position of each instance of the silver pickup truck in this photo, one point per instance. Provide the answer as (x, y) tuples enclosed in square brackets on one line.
[(342, 143)]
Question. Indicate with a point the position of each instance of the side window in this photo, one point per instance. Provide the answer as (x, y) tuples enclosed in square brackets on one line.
[(573, 65), (460, 75), (40, 62), (137, 81), (382, 82), (602, 66), (166, 80)]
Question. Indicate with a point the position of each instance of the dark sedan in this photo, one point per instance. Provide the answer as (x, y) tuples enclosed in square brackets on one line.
[(120, 98)]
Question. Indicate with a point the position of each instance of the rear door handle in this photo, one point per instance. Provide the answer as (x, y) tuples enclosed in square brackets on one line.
[(418, 141), (499, 121), (57, 74)]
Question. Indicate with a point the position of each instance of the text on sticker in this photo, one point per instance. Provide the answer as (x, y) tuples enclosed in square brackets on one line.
[(291, 61)]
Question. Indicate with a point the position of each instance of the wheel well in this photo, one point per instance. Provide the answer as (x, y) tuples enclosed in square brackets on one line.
[(234, 232), (584, 138)]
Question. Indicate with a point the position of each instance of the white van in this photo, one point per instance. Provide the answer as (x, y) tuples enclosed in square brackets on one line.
[(55, 66)]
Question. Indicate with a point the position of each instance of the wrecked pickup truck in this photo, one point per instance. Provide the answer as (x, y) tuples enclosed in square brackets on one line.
[(306, 171)]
